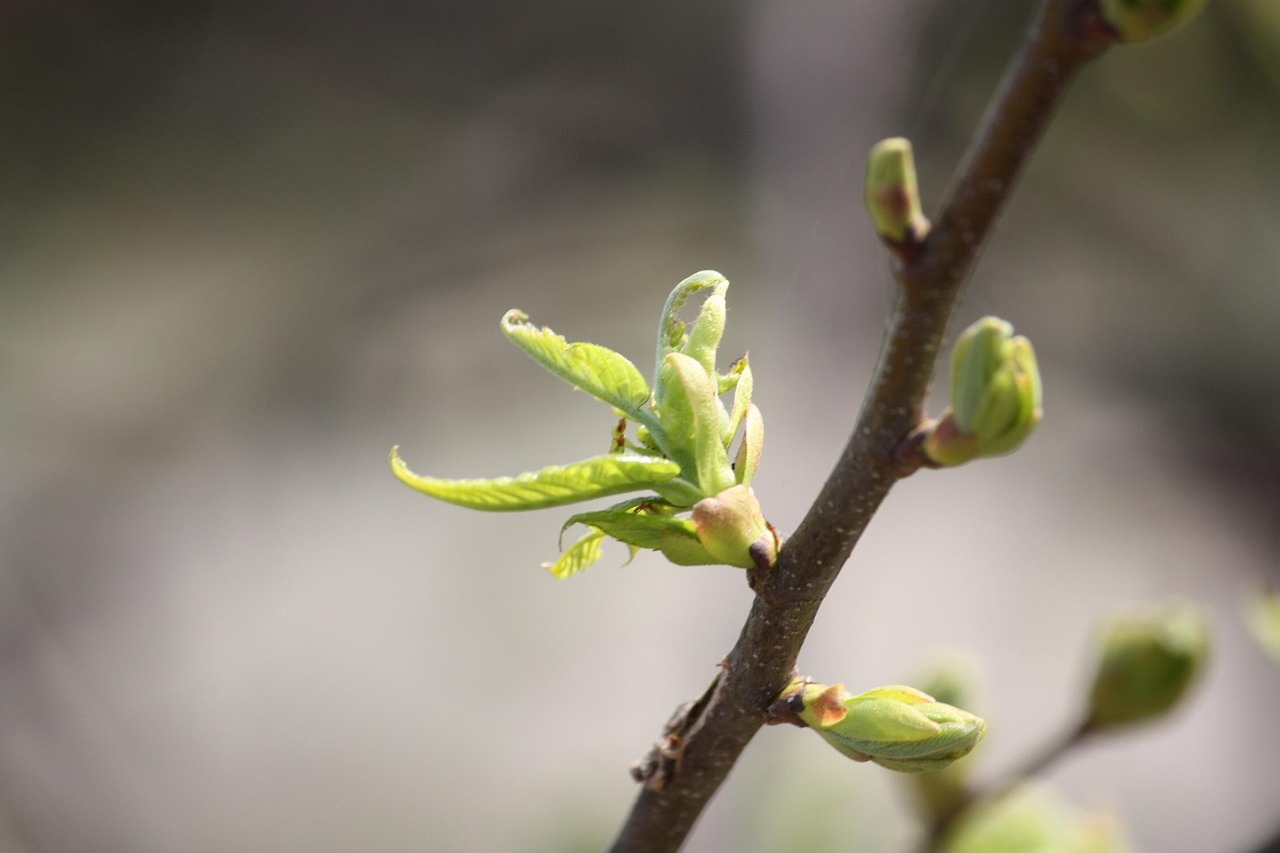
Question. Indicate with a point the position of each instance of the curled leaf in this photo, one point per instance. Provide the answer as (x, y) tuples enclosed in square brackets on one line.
[(600, 476), (672, 336)]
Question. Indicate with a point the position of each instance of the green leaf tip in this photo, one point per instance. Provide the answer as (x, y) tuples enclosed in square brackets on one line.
[(1147, 662), (898, 727), (1143, 20), (996, 396), (892, 193), (600, 476)]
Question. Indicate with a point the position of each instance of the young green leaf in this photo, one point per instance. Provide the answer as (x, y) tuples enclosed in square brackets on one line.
[(601, 372), (600, 476), (642, 530), (579, 556)]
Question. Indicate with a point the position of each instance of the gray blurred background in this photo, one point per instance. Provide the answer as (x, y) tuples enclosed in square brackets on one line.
[(248, 246)]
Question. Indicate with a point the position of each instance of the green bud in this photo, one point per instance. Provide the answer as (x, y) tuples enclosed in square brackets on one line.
[(732, 530), (897, 727), (1147, 662), (892, 194), (995, 396), (1141, 20)]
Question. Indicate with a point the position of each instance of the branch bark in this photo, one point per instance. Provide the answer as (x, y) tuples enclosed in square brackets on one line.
[(1062, 37)]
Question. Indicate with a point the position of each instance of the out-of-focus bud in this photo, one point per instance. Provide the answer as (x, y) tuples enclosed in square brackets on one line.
[(732, 530), (1141, 20), (1147, 662), (996, 398), (1035, 818), (892, 194), (897, 727)]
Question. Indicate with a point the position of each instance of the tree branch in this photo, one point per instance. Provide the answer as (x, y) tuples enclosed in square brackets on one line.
[(1063, 36)]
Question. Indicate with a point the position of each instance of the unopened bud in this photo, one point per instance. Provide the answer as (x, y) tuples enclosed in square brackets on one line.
[(995, 395), (897, 727), (732, 530), (1147, 662), (1141, 20), (892, 194)]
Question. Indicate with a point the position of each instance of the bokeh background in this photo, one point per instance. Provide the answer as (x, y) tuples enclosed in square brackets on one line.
[(248, 246)]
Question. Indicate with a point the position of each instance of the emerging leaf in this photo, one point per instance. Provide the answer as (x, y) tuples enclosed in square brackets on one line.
[(743, 385), (751, 448), (580, 555), (601, 372), (600, 476), (692, 399), (642, 530)]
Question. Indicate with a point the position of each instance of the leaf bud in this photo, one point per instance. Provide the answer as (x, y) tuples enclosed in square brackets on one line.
[(897, 727), (995, 396), (1147, 662), (732, 530), (1142, 20), (892, 193)]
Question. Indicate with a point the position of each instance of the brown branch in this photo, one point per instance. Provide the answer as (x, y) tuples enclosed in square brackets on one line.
[(1061, 39)]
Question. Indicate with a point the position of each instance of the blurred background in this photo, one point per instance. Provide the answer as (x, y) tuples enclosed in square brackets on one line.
[(248, 246)]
